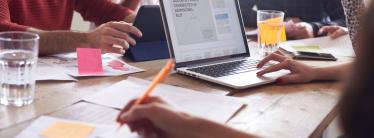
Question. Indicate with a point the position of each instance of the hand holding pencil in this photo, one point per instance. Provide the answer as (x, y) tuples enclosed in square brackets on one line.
[(158, 79)]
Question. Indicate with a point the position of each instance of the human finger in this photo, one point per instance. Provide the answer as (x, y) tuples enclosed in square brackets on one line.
[(338, 33), (272, 56), (279, 53), (328, 29), (118, 34), (116, 41), (148, 100), (273, 68), (125, 27)]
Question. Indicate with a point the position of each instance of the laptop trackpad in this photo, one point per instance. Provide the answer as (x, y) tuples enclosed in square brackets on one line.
[(251, 79)]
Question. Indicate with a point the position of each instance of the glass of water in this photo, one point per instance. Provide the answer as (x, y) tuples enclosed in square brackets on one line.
[(18, 59), (270, 25)]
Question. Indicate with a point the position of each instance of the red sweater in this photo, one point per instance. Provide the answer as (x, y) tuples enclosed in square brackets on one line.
[(17, 15)]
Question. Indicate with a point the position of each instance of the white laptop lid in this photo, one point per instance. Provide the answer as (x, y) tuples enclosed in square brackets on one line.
[(203, 30)]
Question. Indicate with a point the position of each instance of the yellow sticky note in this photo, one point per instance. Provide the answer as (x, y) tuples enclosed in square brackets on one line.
[(307, 48), (63, 129)]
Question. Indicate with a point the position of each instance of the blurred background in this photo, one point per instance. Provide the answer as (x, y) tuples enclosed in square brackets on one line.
[(80, 25)]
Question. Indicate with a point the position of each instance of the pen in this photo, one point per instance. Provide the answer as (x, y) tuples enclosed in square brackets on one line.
[(159, 78)]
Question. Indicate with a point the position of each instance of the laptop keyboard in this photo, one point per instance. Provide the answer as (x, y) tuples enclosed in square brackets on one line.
[(229, 68)]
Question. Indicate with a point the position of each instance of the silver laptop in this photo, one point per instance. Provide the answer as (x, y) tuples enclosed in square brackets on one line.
[(207, 40)]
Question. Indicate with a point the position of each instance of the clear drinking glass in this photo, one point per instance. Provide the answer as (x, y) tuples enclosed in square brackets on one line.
[(269, 24), (18, 59)]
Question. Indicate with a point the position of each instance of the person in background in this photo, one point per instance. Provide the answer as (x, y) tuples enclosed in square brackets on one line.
[(353, 10), (301, 73), (304, 18), (155, 117), (52, 19)]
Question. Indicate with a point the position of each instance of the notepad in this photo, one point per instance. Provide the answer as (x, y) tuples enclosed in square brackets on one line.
[(63, 129), (213, 107)]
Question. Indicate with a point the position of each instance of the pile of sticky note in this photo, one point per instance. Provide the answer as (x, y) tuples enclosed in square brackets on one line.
[(89, 61), (62, 129), (269, 31), (307, 48)]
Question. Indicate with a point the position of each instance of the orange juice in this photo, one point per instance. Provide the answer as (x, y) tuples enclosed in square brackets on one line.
[(271, 31)]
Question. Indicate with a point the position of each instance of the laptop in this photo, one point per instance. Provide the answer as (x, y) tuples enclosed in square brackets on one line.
[(207, 40)]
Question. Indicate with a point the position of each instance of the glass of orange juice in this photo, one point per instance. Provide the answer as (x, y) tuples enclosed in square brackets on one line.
[(271, 31)]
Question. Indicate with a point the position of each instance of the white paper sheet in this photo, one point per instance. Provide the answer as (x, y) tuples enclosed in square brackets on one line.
[(45, 72), (213, 107), (341, 46), (100, 131), (70, 64)]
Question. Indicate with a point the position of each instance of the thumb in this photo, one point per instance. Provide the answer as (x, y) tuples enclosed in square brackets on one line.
[(322, 30), (140, 112), (337, 34)]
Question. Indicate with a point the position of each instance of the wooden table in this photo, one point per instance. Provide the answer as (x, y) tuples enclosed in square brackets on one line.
[(272, 110)]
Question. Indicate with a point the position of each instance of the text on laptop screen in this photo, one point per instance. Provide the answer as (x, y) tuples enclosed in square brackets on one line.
[(202, 29)]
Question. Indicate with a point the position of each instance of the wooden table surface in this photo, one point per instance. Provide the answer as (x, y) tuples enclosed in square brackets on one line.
[(299, 110)]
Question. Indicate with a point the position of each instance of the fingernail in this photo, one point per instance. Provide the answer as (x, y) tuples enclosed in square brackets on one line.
[(279, 80)]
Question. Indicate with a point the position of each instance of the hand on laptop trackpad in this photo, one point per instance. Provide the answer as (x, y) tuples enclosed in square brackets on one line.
[(275, 75)]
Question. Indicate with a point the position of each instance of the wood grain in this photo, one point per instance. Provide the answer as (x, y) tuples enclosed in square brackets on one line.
[(300, 110)]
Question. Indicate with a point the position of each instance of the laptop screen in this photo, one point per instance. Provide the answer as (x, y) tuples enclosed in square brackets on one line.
[(204, 29)]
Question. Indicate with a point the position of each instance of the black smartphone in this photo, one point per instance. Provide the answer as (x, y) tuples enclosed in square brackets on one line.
[(314, 56)]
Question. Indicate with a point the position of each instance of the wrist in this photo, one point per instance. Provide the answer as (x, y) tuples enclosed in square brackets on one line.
[(316, 73), (88, 38), (325, 73)]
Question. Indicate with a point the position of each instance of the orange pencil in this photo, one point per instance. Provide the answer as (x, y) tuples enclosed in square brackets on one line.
[(159, 78)]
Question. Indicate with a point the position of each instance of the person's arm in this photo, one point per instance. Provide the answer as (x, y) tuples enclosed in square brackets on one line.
[(50, 42), (103, 37), (301, 73), (336, 72), (155, 118), (53, 42), (335, 12)]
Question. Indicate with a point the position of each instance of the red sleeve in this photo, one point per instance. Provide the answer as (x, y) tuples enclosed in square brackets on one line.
[(5, 22), (131, 4), (101, 11)]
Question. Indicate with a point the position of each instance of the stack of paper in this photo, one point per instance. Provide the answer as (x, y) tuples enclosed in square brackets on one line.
[(46, 71), (339, 47), (213, 107), (49, 127)]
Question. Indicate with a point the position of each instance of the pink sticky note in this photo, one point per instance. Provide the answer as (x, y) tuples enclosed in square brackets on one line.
[(89, 61), (117, 65)]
